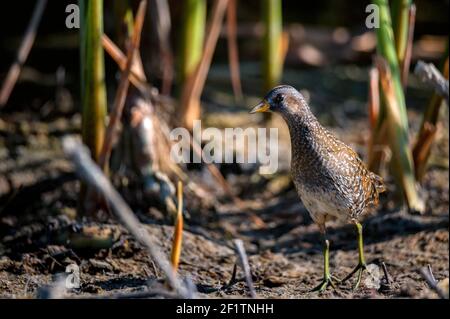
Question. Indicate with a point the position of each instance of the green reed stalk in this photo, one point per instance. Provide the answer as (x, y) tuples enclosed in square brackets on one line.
[(400, 26), (93, 90), (272, 65), (192, 37), (395, 106)]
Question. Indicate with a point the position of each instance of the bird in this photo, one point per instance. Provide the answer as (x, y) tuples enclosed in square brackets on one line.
[(330, 178)]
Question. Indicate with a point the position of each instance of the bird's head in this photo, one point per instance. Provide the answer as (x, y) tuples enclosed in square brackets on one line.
[(283, 99)]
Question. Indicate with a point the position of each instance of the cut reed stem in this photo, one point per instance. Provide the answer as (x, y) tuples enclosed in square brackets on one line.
[(178, 229)]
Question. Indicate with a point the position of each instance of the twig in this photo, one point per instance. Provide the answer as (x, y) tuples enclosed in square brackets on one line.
[(386, 274), (427, 274), (245, 266), (428, 73), (94, 176), (117, 55), (233, 279), (22, 55), (406, 62), (136, 76), (122, 90)]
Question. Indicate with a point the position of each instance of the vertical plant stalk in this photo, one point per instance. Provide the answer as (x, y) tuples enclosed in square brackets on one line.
[(93, 89), (396, 115), (192, 37), (273, 43), (401, 27), (374, 97), (22, 54), (402, 160), (406, 62), (161, 15), (233, 53), (190, 99), (386, 48), (178, 230), (119, 101), (377, 139)]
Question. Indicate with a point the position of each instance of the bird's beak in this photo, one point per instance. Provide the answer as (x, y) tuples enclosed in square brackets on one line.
[(263, 106)]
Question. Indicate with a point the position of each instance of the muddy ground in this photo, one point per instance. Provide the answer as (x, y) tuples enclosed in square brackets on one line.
[(40, 236)]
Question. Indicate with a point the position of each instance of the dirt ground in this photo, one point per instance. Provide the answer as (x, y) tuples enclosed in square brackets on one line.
[(40, 237)]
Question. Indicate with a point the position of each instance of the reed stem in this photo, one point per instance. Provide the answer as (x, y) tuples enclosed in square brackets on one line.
[(272, 51), (93, 89)]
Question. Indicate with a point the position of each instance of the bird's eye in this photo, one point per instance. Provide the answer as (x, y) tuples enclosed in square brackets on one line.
[(279, 98)]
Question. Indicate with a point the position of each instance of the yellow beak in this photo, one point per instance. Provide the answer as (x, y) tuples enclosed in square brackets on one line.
[(263, 106)]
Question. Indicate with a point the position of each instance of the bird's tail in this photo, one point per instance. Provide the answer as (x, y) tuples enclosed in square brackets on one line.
[(378, 182)]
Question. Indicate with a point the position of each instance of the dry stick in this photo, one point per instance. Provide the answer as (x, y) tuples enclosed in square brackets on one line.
[(374, 97), (427, 274), (376, 138), (24, 50), (93, 175), (233, 277), (117, 55), (233, 55), (195, 84), (245, 266), (137, 76), (119, 101), (432, 77), (408, 51), (423, 145), (386, 274)]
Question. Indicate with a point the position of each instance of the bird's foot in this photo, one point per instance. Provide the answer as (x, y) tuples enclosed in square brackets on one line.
[(358, 269), (328, 280)]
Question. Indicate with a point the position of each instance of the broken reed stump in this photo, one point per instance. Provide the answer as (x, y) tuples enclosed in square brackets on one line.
[(431, 76)]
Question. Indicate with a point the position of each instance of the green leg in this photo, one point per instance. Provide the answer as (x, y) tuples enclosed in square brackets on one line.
[(327, 278), (362, 262)]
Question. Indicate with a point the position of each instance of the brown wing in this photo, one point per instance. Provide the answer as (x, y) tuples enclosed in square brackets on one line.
[(360, 186)]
